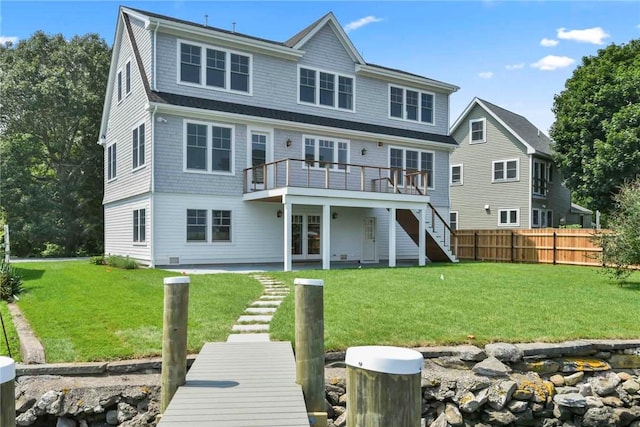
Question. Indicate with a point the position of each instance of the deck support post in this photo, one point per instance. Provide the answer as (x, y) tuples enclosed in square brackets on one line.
[(174, 337), (422, 246), (309, 336), (7, 392), (287, 236), (384, 386), (392, 237), (326, 237)]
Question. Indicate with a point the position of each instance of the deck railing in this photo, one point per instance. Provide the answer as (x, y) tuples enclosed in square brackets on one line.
[(333, 176)]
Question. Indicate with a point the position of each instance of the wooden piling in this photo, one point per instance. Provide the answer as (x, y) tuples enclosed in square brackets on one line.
[(309, 319), (383, 387), (174, 337), (7, 392)]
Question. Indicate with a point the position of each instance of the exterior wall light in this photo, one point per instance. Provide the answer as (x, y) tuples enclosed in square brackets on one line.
[(279, 213), (288, 142), (363, 151)]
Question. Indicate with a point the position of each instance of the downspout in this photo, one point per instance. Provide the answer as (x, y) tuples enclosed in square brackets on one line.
[(152, 246), (153, 53), (530, 213)]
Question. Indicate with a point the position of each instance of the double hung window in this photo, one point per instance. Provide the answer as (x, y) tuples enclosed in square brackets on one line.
[(209, 147), (411, 105), (411, 162), (325, 89), (139, 225), (320, 152), (505, 170), (138, 146)]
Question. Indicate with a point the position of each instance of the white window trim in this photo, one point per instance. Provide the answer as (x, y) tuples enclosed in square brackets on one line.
[(137, 126), (203, 68), (456, 213), (124, 82), (461, 166), (316, 153), (209, 170), (484, 131), (509, 224), (540, 213), (120, 95), (505, 179), (336, 96), (115, 177), (231, 240), (270, 142), (404, 163), (404, 105), (140, 242), (206, 226)]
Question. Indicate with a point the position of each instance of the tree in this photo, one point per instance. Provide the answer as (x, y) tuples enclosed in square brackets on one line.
[(51, 93), (621, 245), (597, 126)]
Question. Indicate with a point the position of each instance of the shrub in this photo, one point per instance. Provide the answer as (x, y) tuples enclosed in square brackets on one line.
[(10, 282), (52, 250), (97, 260), (118, 261)]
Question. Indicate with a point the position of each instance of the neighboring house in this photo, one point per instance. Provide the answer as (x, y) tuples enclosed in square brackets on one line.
[(503, 176), (226, 148)]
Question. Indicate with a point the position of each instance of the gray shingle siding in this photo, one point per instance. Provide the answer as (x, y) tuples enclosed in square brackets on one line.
[(145, 43)]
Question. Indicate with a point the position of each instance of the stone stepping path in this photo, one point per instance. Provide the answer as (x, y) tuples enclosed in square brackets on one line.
[(253, 325)]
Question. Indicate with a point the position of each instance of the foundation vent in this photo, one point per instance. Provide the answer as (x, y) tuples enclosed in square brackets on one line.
[(174, 260)]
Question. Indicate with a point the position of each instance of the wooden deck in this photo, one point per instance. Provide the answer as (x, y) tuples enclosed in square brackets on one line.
[(243, 384)]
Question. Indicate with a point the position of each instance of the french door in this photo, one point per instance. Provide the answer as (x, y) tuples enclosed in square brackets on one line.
[(305, 236), (260, 148)]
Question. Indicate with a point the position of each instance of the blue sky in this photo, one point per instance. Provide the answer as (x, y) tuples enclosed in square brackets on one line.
[(516, 54)]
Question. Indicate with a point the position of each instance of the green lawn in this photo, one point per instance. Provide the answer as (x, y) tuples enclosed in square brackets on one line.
[(489, 301), (84, 312), (12, 337)]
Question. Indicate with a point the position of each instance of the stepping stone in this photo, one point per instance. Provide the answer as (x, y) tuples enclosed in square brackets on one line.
[(260, 310), (254, 319), (266, 303), (250, 328), (248, 338), (272, 297)]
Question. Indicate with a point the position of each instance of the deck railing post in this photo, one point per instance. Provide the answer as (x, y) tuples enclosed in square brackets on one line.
[(384, 386), (362, 175), (7, 392), (174, 337), (309, 336)]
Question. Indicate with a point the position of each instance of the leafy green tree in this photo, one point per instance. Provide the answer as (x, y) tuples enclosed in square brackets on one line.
[(52, 92), (597, 126), (621, 245)]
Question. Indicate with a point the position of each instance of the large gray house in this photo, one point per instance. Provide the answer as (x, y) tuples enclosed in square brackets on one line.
[(221, 147), (503, 175)]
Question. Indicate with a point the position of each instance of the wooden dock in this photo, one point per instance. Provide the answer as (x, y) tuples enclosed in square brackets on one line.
[(239, 384)]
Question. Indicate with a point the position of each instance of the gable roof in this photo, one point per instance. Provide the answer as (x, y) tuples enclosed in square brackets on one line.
[(522, 129), (299, 40)]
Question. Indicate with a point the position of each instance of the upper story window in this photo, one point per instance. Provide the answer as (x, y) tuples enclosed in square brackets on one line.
[(138, 146), (111, 162), (119, 84), (540, 178), (320, 152), (127, 77), (325, 89), (477, 131), (404, 162), (123, 81), (412, 105), (214, 68), (208, 148), (456, 175), (506, 170)]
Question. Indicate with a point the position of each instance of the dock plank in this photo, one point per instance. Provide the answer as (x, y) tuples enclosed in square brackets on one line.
[(239, 384)]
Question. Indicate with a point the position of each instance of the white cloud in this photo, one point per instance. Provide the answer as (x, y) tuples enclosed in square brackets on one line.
[(4, 39), (512, 67), (594, 35), (485, 75), (354, 25), (548, 42), (552, 62)]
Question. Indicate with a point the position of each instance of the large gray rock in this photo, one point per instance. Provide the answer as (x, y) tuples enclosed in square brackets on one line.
[(600, 417), (441, 421), (491, 367), (453, 415), (499, 418), (49, 403), (500, 393), (65, 422), (26, 418), (605, 384), (504, 352), (571, 400), (574, 378), (126, 412), (631, 386), (470, 402)]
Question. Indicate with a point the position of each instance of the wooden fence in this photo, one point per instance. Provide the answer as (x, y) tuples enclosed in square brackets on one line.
[(548, 246)]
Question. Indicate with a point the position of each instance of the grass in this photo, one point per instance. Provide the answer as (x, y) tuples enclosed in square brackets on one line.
[(84, 312), (489, 302), (14, 345)]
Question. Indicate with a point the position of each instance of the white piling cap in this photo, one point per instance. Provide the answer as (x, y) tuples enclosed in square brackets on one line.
[(7, 369), (309, 282), (177, 280), (385, 359)]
